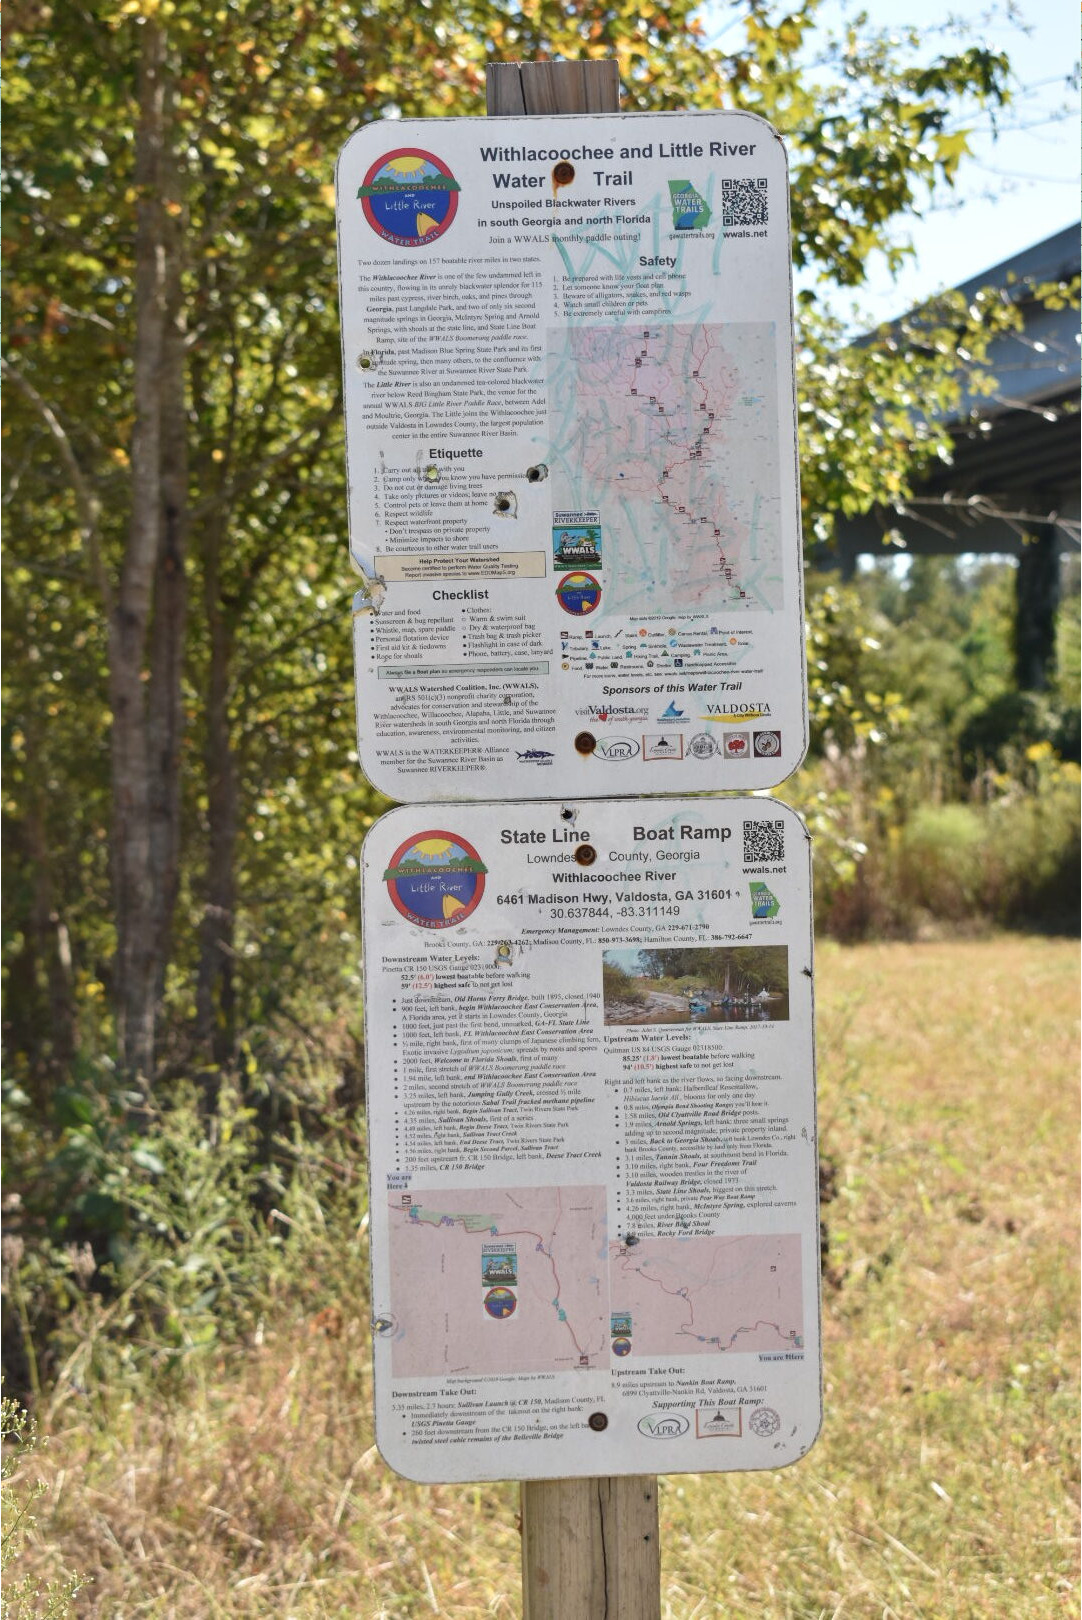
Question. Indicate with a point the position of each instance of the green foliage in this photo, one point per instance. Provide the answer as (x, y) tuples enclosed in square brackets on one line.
[(1033, 844), (158, 1235), (868, 120), (617, 985), (924, 753), (747, 966), (1010, 722), (872, 413), (940, 860)]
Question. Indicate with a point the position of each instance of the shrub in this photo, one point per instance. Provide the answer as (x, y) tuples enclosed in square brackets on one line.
[(25, 1598), (940, 863), (618, 985), (204, 1234)]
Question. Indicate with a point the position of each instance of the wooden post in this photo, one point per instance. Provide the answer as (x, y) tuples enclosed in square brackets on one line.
[(532, 89), (590, 1547)]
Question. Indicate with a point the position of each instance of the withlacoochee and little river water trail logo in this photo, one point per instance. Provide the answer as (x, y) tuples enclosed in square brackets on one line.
[(436, 879), (409, 197)]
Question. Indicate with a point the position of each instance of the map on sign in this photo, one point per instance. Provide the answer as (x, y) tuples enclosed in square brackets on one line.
[(494, 1280), (684, 1296), (666, 437)]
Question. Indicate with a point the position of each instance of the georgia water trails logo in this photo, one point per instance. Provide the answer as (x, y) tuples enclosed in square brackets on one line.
[(690, 209), (409, 197), (764, 904), (435, 880)]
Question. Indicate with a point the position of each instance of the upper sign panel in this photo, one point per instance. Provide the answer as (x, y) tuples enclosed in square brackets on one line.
[(571, 432)]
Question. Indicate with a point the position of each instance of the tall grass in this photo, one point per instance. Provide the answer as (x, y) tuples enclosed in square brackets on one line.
[(240, 1480), (908, 860)]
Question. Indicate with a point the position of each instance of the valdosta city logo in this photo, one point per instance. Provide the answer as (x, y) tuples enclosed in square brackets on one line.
[(436, 880), (409, 197)]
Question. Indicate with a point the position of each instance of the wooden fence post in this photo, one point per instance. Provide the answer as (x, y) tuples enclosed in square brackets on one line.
[(590, 1547)]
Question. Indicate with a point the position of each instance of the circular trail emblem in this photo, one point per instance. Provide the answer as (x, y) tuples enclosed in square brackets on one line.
[(435, 880), (500, 1303), (409, 197), (578, 593), (621, 1347), (764, 1422)]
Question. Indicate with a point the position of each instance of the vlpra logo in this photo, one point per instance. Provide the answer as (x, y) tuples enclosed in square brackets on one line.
[(663, 1425)]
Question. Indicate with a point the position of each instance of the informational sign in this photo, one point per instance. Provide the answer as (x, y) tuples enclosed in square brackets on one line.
[(571, 436), (594, 1218)]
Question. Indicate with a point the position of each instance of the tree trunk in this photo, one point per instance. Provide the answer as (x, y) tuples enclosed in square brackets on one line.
[(1037, 592), (145, 701), (52, 943), (165, 696), (215, 991), (40, 997)]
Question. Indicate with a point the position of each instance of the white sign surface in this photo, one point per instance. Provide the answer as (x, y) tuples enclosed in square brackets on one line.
[(594, 1210), (571, 437)]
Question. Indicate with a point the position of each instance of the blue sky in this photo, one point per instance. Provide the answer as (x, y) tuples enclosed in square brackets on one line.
[(1017, 188), (627, 958)]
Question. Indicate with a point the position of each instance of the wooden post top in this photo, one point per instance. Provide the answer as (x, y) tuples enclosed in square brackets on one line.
[(527, 89)]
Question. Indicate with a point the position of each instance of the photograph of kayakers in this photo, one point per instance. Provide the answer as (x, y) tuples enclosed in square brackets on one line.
[(700, 984)]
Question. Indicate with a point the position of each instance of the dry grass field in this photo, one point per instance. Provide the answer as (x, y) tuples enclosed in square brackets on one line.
[(943, 1487)]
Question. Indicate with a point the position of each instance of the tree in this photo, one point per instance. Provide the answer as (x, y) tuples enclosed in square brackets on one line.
[(176, 500)]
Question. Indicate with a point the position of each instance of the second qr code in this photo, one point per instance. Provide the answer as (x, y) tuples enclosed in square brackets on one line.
[(763, 841), (743, 202)]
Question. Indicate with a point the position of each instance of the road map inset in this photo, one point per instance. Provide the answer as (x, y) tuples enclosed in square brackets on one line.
[(687, 1296), (526, 1279), (500, 1280), (669, 436)]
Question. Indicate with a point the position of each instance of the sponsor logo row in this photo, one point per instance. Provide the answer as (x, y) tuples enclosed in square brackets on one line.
[(666, 745), (711, 1423), (673, 745)]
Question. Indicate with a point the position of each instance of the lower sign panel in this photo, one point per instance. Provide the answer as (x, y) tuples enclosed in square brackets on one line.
[(594, 1217)]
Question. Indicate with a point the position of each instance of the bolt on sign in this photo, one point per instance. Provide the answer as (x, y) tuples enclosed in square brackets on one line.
[(594, 1196), (571, 438)]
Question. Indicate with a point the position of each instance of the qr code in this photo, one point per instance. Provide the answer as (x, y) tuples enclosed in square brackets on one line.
[(763, 841), (743, 202)]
